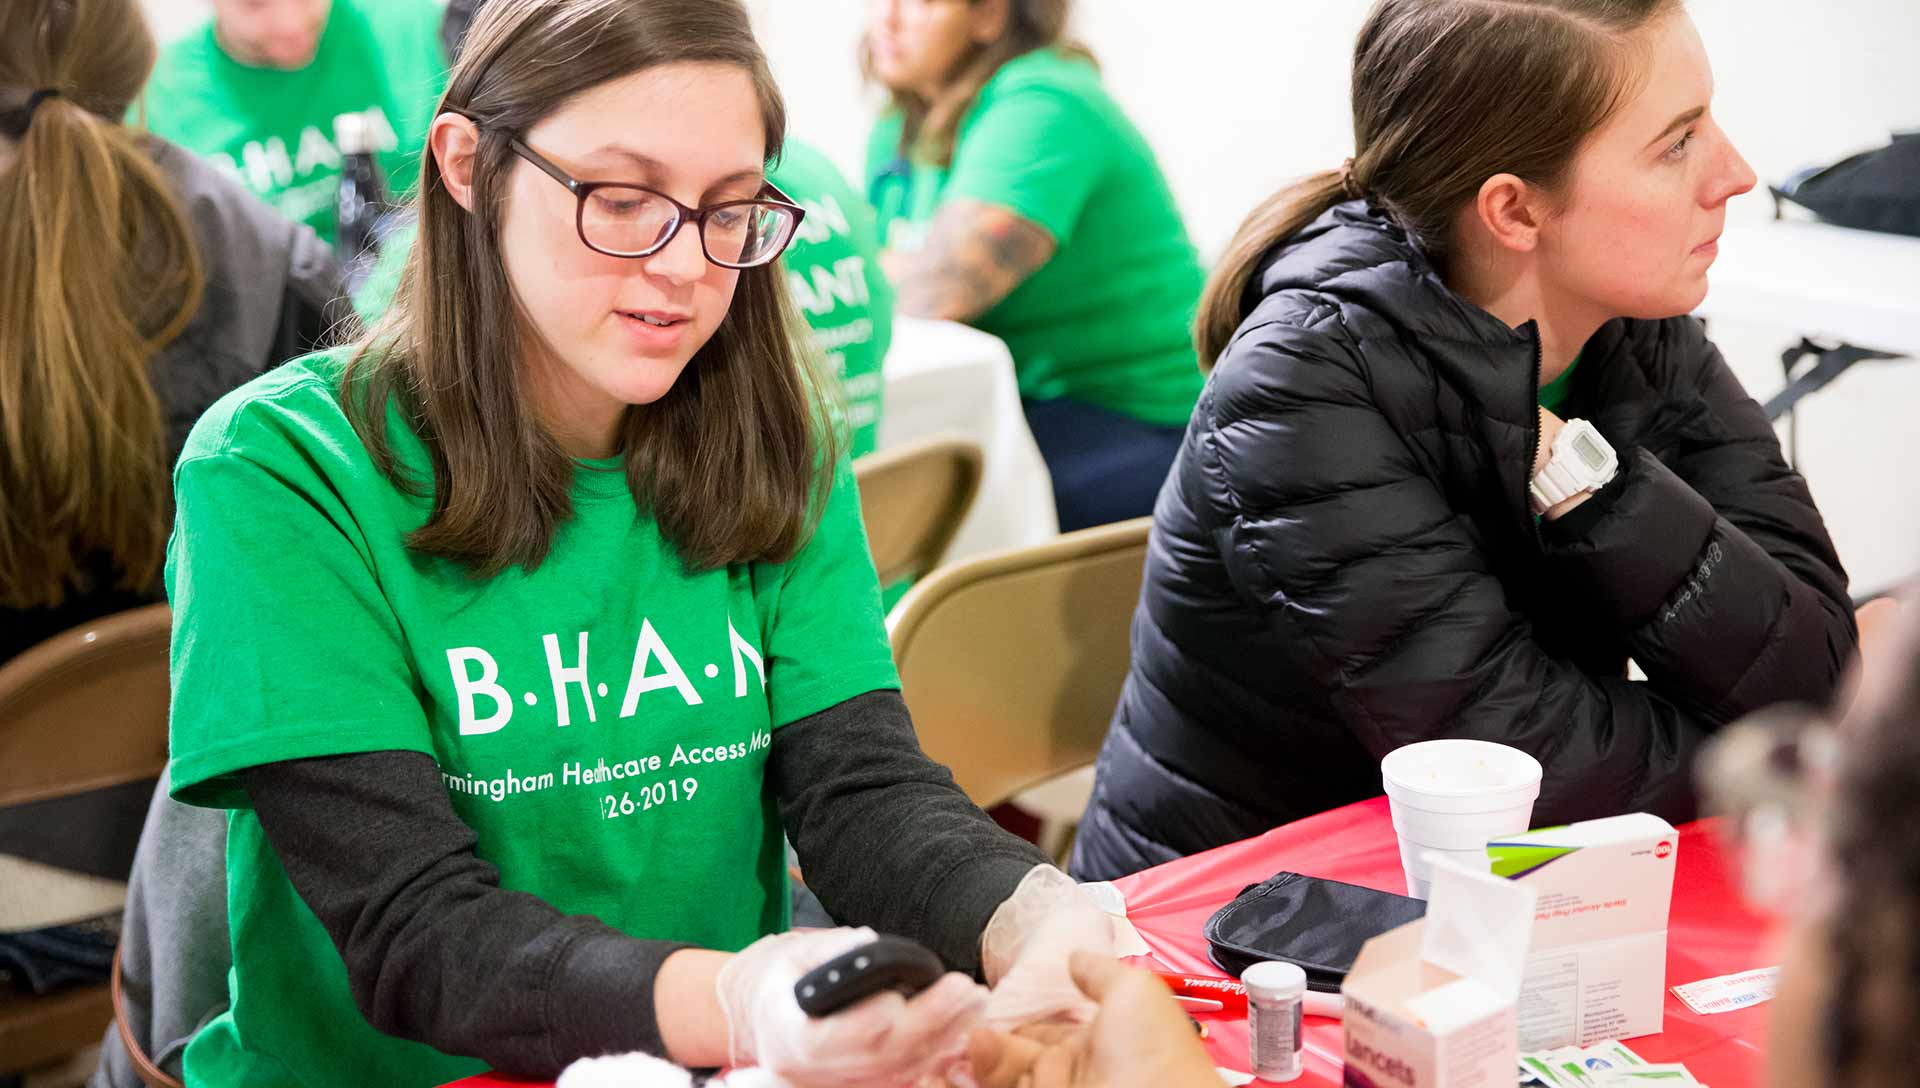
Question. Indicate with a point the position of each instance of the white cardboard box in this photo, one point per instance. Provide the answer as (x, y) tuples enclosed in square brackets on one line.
[(1390, 1046), (1598, 965), (1431, 1003)]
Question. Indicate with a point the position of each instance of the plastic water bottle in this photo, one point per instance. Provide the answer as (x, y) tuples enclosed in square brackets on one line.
[(362, 199)]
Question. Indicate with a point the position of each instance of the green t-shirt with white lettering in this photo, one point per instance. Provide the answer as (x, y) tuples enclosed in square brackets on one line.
[(1108, 319), (833, 268), (602, 722), (272, 130)]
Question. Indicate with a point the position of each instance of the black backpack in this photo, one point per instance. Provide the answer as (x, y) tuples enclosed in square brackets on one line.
[(1874, 190)]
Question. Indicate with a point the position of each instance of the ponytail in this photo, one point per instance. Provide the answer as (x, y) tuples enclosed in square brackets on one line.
[(1223, 305), (98, 271), (1434, 87)]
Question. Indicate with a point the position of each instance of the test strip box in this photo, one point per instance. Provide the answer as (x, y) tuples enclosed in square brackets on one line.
[(1598, 965)]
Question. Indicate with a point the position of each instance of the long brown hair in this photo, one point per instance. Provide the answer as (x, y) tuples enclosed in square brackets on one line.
[(1868, 1037), (734, 460), (98, 271), (933, 125), (1446, 94)]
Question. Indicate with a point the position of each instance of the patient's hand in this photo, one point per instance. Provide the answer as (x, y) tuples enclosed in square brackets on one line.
[(1139, 1039)]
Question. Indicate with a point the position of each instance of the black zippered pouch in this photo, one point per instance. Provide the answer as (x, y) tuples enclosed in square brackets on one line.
[(1317, 924)]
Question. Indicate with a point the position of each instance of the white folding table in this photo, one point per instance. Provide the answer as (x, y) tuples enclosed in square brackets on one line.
[(944, 379)]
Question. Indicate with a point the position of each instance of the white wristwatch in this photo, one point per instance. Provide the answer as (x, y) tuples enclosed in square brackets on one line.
[(1580, 460)]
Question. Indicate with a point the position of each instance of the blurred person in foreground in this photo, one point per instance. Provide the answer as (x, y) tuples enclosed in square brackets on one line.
[(1820, 805)]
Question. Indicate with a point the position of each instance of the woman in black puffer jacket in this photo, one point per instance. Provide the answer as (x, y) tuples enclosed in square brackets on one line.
[(1346, 557)]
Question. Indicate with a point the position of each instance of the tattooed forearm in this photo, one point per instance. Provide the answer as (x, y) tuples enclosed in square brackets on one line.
[(975, 255)]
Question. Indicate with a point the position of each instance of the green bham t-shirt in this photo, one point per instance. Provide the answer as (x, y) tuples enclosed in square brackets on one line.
[(833, 268), (272, 130), (602, 722), (1108, 319)]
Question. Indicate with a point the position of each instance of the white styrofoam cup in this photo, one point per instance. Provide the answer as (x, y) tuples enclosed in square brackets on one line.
[(1454, 796)]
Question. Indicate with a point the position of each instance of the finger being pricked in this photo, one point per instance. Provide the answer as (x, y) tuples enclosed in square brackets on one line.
[(1051, 1032), (999, 1060), (1057, 1067), (1115, 985)]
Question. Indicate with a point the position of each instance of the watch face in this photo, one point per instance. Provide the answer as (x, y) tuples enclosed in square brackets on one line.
[(1590, 452)]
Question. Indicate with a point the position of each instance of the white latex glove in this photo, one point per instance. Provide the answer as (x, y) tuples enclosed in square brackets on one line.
[(886, 1041), (1025, 947), (624, 1071), (638, 1070)]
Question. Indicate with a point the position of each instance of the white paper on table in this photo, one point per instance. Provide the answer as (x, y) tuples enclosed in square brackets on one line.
[(1726, 993)]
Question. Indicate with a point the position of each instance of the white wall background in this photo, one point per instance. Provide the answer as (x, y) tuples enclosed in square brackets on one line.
[(1240, 95), (170, 17)]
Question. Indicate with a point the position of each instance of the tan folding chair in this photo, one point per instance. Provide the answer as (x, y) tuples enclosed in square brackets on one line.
[(1012, 663), (84, 710), (913, 499)]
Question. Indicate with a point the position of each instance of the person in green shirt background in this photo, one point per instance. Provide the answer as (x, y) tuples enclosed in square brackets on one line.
[(833, 271), (257, 88), (515, 635), (1015, 196)]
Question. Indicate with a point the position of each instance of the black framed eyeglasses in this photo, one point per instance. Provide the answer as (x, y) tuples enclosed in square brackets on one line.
[(624, 220)]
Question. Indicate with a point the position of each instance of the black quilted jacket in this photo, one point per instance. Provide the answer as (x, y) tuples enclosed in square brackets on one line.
[(1343, 561)]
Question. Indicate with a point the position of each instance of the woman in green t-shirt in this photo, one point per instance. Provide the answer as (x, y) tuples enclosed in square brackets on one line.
[(1014, 195), (516, 635)]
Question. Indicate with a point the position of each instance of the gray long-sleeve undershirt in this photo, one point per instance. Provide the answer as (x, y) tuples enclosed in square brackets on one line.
[(437, 952)]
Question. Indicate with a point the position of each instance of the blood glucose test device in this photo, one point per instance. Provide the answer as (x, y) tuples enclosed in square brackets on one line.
[(889, 963)]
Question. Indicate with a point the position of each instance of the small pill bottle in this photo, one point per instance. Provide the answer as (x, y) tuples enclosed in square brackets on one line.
[(1275, 993)]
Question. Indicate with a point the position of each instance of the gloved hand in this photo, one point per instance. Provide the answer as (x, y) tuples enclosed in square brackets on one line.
[(1027, 942), (886, 1041), (1141, 1039)]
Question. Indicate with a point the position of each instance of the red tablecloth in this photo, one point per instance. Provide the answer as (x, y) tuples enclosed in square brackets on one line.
[(1710, 932)]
